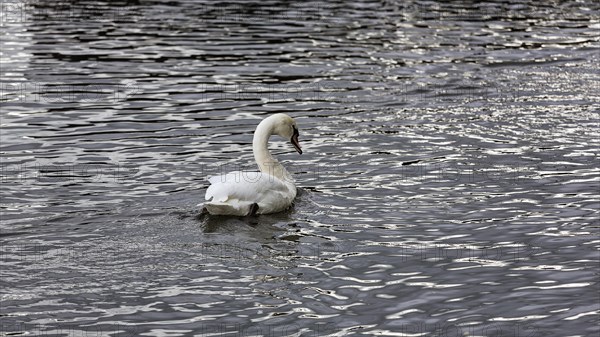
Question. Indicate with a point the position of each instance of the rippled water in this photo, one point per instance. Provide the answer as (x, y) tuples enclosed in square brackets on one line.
[(449, 185)]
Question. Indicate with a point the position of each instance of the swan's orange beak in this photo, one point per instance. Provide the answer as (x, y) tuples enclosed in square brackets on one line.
[(294, 141)]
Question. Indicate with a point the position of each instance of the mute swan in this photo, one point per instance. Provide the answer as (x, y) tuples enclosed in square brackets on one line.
[(268, 191)]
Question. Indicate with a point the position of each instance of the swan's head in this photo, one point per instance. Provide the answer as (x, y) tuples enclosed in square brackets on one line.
[(285, 126)]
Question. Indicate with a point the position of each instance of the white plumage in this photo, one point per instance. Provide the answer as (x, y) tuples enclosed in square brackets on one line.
[(270, 190), (235, 192)]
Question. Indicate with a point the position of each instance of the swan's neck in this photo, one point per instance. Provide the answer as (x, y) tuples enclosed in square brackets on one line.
[(266, 162)]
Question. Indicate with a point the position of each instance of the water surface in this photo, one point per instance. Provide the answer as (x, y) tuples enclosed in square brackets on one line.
[(449, 184)]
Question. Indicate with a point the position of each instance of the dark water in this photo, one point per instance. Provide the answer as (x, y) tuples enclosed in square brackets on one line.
[(449, 186)]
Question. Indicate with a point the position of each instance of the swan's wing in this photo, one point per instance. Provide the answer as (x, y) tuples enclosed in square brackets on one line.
[(254, 187)]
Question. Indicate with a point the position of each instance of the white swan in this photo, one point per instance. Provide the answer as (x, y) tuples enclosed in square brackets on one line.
[(268, 191)]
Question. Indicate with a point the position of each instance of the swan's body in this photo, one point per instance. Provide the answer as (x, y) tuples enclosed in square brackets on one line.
[(270, 190)]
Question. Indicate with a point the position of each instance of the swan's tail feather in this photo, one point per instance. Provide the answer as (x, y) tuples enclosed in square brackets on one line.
[(222, 208)]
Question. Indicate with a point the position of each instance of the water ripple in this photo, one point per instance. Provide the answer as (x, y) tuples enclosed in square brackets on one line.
[(449, 183)]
